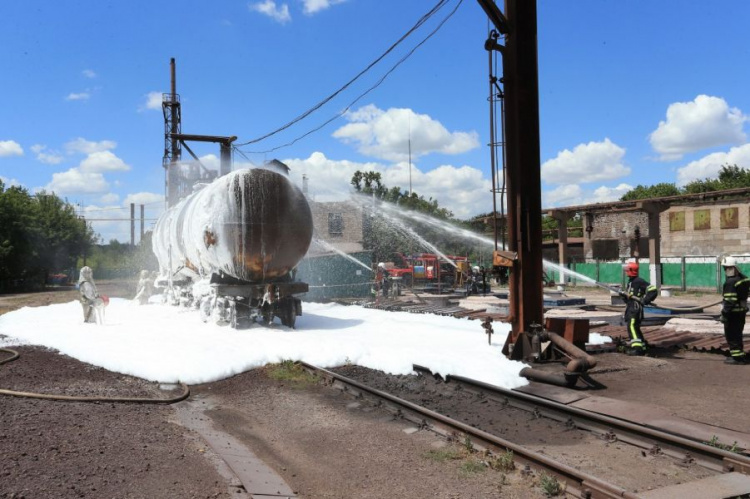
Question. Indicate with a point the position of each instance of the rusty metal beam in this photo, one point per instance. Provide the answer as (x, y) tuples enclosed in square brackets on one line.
[(521, 85), (496, 17), (203, 138)]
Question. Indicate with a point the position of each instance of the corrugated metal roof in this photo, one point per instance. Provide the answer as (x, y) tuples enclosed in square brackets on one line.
[(663, 337), (435, 308)]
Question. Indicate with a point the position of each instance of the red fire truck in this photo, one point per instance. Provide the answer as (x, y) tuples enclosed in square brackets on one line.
[(427, 267)]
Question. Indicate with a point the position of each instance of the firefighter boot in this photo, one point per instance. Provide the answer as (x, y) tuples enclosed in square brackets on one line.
[(737, 360), (636, 351)]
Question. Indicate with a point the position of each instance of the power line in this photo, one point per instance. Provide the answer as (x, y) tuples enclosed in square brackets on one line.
[(117, 219), (377, 84), (419, 23)]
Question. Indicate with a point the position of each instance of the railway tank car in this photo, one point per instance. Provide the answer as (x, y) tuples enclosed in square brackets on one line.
[(231, 248)]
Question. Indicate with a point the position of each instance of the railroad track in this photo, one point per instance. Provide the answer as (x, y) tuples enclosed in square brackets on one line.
[(655, 441), (733, 467)]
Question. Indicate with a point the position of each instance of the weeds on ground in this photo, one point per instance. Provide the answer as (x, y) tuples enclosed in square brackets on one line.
[(289, 371), (468, 445), (550, 485), (443, 455), (714, 442), (472, 466), (502, 462)]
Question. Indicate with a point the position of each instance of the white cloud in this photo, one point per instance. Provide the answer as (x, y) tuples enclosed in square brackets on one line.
[(569, 194), (607, 194), (329, 180), (312, 6), (709, 166), (74, 181), (145, 198), (88, 73), (103, 161), (574, 195), (592, 162), (212, 162), (9, 182), (78, 96), (152, 101), (279, 13), (45, 156), (81, 145), (385, 134), (691, 126), (110, 198), (10, 148)]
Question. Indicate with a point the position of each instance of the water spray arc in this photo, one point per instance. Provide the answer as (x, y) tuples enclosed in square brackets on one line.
[(330, 247)]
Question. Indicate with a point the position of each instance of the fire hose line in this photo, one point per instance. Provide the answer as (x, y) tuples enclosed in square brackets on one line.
[(69, 398), (685, 309)]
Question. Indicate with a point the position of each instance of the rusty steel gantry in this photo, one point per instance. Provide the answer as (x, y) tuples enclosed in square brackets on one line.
[(178, 182), (518, 28)]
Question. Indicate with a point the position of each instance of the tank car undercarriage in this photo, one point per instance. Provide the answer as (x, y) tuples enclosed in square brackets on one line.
[(242, 304), (229, 301)]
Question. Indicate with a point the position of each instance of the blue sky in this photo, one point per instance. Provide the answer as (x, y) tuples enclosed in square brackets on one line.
[(635, 92)]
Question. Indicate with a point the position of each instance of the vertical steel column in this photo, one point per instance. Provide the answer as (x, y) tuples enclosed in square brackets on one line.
[(172, 150), (132, 224), (175, 144), (521, 85), (492, 147), (225, 158), (142, 222), (683, 275)]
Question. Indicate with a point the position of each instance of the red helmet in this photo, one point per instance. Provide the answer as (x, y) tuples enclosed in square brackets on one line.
[(105, 299), (631, 269)]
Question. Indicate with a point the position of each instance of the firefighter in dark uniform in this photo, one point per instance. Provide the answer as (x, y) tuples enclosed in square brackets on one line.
[(734, 309), (638, 293), (384, 283)]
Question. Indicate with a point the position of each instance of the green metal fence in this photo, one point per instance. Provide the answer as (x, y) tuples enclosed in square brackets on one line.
[(335, 276), (684, 273)]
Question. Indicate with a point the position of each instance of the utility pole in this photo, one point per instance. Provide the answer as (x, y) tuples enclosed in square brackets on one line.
[(410, 191), (132, 224)]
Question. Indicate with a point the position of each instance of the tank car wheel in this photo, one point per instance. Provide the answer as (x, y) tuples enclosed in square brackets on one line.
[(232, 311), (268, 318), (289, 315)]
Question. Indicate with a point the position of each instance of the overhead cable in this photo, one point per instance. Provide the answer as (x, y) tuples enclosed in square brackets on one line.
[(317, 106), (377, 84)]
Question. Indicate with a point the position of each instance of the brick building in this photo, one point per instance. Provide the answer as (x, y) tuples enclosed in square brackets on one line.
[(711, 228), (339, 224)]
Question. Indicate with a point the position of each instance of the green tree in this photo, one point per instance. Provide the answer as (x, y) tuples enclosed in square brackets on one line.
[(730, 177), (15, 239), (660, 190), (38, 234), (59, 235)]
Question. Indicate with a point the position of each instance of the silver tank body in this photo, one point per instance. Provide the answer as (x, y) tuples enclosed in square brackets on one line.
[(254, 225)]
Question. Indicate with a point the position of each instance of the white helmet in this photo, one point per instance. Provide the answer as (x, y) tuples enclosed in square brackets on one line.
[(381, 265), (728, 261), (475, 269)]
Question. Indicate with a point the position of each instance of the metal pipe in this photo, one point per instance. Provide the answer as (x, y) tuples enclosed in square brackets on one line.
[(566, 380), (581, 360)]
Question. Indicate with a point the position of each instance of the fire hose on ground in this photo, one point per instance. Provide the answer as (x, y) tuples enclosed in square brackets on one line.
[(69, 398)]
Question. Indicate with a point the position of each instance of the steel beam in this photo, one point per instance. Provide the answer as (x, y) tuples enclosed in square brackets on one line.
[(521, 85)]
